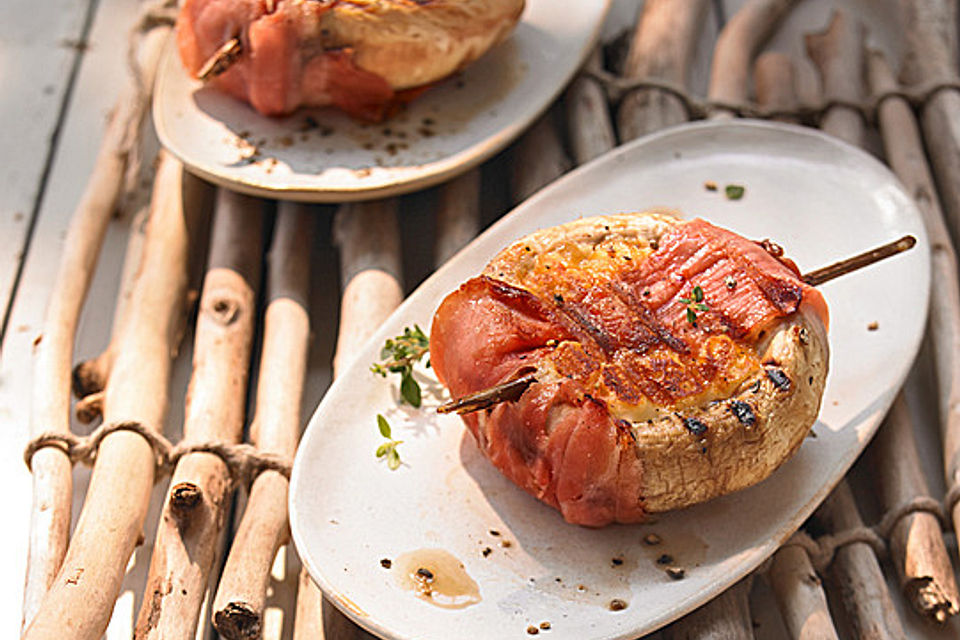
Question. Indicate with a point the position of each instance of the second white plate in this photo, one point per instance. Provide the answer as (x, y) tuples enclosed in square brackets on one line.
[(821, 200), (322, 155)]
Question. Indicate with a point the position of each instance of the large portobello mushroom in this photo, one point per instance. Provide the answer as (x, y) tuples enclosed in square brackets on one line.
[(664, 363)]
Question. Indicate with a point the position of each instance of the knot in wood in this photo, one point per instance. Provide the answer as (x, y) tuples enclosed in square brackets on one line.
[(224, 309), (185, 496)]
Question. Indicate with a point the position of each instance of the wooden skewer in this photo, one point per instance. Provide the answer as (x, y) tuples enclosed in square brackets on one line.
[(50, 399), (736, 45), (238, 606), (201, 485), (904, 151), (224, 57), (859, 261), (82, 596), (506, 392)]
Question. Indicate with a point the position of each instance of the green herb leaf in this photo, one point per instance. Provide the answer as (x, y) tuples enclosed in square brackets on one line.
[(698, 294), (384, 426), (686, 300), (701, 307), (734, 191), (393, 459), (691, 316), (399, 355), (409, 389), (384, 448)]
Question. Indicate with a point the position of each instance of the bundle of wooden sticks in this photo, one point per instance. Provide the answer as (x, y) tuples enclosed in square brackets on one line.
[(632, 85)]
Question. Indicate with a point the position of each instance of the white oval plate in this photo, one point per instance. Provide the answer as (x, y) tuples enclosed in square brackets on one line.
[(822, 200), (322, 155)]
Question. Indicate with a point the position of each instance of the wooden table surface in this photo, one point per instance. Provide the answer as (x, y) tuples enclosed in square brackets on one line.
[(62, 64)]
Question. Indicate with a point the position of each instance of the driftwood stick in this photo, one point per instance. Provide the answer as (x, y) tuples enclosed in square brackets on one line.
[(838, 53), (662, 48), (81, 598), (368, 236), (589, 128), (371, 274), (90, 376), (458, 215), (241, 595), (775, 84), (915, 540), (855, 572), (726, 617), (50, 399), (201, 485), (929, 28), (799, 594), (538, 158), (904, 151), (796, 586), (737, 43)]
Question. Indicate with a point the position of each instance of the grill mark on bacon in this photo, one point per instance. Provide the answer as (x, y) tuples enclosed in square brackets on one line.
[(645, 315)]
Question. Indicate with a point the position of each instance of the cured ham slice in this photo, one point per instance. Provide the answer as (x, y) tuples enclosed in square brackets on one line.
[(362, 56), (673, 362)]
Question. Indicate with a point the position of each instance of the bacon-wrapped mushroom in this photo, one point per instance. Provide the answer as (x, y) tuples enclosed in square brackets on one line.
[(662, 363), (363, 56)]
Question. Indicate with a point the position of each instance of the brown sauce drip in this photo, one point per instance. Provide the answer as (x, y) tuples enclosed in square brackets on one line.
[(437, 577)]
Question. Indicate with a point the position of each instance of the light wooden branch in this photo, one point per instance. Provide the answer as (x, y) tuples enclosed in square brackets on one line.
[(929, 28), (738, 42), (916, 544), (775, 84), (83, 593), (904, 151), (50, 400), (589, 128), (538, 158), (795, 584), (662, 48), (799, 594), (726, 617), (838, 53), (855, 572), (201, 485), (371, 274), (458, 215), (931, 38), (241, 595)]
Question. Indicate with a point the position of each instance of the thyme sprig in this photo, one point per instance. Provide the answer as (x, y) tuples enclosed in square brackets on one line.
[(695, 303), (399, 355), (388, 449)]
